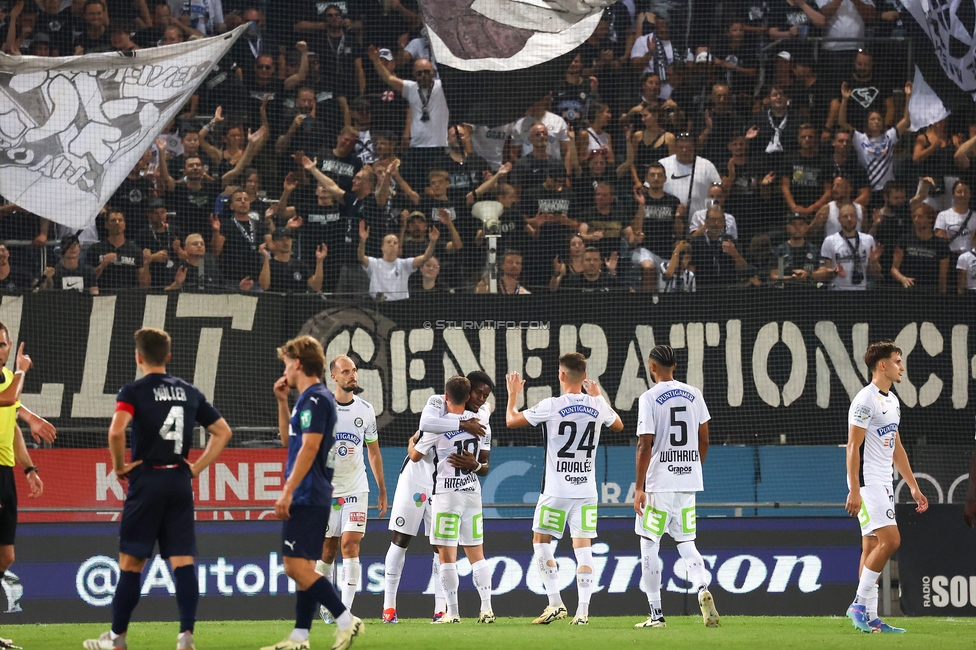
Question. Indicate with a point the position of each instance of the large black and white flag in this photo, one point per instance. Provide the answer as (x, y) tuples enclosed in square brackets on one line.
[(944, 34), (72, 128), (498, 56)]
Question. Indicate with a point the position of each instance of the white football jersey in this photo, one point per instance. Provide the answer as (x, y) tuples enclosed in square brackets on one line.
[(435, 419), (447, 477), (355, 426), (672, 411), (879, 414), (571, 424)]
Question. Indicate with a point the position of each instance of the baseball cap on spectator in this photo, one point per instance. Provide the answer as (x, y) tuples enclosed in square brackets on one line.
[(416, 214), (386, 54), (41, 37), (786, 56), (68, 241), (156, 203), (280, 233)]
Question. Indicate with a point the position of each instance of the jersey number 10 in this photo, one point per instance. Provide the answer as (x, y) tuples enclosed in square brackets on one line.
[(462, 446)]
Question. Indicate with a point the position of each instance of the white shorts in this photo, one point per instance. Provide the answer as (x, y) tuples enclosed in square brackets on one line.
[(456, 519), (552, 514), (877, 509), (411, 507), (348, 515), (668, 512), (639, 255)]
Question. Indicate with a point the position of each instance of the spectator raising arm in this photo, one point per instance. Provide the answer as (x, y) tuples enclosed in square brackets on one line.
[(420, 260), (388, 77), (255, 143), (312, 167), (905, 122), (487, 186), (293, 81), (361, 251), (315, 282), (455, 244), (212, 151)]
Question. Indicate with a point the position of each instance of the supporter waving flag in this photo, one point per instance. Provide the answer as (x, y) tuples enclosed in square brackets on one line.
[(945, 74), (72, 128), (504, 48)]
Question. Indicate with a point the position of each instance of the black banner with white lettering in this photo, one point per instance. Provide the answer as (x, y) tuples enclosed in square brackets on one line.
[(936, 562), (774, 366)]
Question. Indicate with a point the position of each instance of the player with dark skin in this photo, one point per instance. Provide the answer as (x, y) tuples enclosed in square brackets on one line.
[(479, 395)]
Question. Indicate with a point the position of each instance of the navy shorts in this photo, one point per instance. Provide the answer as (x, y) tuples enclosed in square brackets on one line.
[(8, 506), (303, 533), (159, 507)]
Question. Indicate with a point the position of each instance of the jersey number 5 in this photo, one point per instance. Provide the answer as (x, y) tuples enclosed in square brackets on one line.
[(678, 439), (172, 428)]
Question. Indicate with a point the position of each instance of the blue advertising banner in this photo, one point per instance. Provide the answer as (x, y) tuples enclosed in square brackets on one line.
[(757, 566), (733, 474)]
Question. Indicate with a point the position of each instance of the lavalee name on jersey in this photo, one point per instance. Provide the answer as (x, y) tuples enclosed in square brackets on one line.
[(571, 424)]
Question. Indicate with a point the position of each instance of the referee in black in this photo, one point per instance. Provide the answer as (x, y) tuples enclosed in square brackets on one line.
[(13, 449)]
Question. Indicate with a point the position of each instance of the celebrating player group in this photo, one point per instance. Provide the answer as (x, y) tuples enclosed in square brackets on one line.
[(323, 504)]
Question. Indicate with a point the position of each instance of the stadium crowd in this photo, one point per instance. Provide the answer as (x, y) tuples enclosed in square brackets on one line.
[(746, 143)]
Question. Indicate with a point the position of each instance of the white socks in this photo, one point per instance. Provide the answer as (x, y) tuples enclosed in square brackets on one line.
[(481, 576), (450, 580), (344, 620), (867, 585), (298, 635), (584, 579), (325, 569), (697, 575), (440, 601), (395, 557), (651, 574), (549, 571), (351, 573), (872, 604)]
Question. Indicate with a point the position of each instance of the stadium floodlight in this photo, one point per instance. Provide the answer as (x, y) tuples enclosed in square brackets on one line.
[(489, 212)]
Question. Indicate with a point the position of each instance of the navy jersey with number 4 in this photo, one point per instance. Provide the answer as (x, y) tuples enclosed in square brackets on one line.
[(164, 411), (314, 412)]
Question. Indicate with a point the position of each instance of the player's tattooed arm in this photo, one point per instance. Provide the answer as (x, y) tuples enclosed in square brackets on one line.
[(644, 445)]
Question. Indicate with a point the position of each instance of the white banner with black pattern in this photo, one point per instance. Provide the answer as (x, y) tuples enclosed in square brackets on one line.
[(72, 128)]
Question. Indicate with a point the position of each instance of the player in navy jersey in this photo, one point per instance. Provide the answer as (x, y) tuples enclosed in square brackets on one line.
[(308, 431), (162, 410)]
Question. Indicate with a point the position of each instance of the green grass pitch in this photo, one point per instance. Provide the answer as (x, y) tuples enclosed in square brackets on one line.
[(752, 633)]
